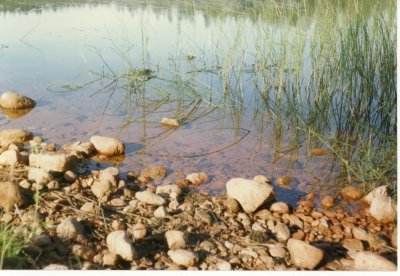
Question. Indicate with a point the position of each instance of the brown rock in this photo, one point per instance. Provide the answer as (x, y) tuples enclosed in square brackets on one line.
[(352, 193), (232, 205), (393, 238), (11, 100), (353, 244), (182, 183), (197, 178), (284, 181), (154, 172), (327, 202), (318, 152), (10, 195), (299, 235)]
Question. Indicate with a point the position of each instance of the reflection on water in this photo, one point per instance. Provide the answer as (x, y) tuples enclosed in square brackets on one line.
[(127, 65)]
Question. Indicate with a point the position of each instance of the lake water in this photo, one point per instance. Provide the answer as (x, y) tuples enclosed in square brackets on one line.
[(47, 50)]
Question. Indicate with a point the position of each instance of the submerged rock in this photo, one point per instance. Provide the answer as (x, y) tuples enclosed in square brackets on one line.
[(249, 193), (170, 123), (284, 181), (108, 146), (10, 195), (197, 178), (14, 136), (303, 254), (12, 100), (53, 162), (154, 172), (118, 243)]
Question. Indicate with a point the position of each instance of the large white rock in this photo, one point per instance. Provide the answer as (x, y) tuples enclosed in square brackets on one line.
[(250, 194), (368, 261), (14, 136), (381, 190), (303, 254), (118, 243), (175, 239), (13, 100), (108, 146), (38, 175), (53, 162), (150, 198), (383, 208), (183, 257), (10, 157)]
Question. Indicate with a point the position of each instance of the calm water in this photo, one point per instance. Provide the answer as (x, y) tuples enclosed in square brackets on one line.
[(51, 48)]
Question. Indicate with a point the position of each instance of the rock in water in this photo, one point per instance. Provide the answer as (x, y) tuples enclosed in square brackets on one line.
[(304, 255), (10, 195), (118, 243), (197, 178), (13, 100), (154, 172), (249, 193), (108, 146), (352, 193), (368, 261), (150, 198), (175, 239), (383, 208), (53, 162), (183, 257), (55, 267), (170, 123), (14, 136)]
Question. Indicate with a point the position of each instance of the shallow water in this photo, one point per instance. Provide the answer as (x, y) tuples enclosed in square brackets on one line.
[(52, 48)]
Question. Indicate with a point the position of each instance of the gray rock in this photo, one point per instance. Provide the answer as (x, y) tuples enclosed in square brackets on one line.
[(14, 136), (383, 209), (10, 158), (280, 208), (249, 193), (53, 162), (304, 255), (368, 261), (183, 257), (150, 198), (10, 195), (108, 146), (69, 229), (38, 175), (118, 243), (175, 239), (12, 100)]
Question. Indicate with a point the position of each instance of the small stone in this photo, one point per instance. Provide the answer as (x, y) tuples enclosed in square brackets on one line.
[(85, 149), (327, 202), (173, 190), (169, 123), (117, 225), (232, 205), (249, 193), (393, 238), (154, 172), (284, 181), (131, 176), (110, 259), (368, 261), (69, 229), (182, 183), (12, 100), (10, 196), (55, 267), (102, 188), (264, 214), (359, 233), (268, 261), (353, 244), (160, 212), (295, 221), (282, 232), (175, 239), (173, 205), (203, 216), (139, 231), (280, 208), (277, 252), (197, 178), (90, 207), (224, 265), (83, 252), (118, 243), (257, 227), (108, 146), (70, 176), (10, 157), (39, 176), (51, 147), (183, 257), (53, 185), (304, 255), (383, 209), (150, 198), (375, 242), (42, 240), (14, 136), (299, 235), (352, 193)]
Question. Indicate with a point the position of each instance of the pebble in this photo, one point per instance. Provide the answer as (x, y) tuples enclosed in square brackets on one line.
[(280, 208), (10, 195), (232, 205), (110, 259), (282, 232), (108, 146), (183, 257), (175, 239), (304, 255), (327, 202), (381, 190), (284, 181), (264, 214), (353, 244), (197, 178), (55, 267), (277, 252), (12, 100), (203, 216), (224, 265), (139, 231), (383, 209), (173, 190), (102, 188), (10, 157), (14, 136), (53, 162), (169, 123), (69, 229), (118, 243), (160, 212), (352, 193), (150, 198), (154, 172)]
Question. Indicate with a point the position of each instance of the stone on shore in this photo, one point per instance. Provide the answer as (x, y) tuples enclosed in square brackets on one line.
[(279, 207), (102, 188), (53, 162), (108, 146), (381, 190), (139, 231), (14, 136), (197, 178), (86, 149), (282, 232), (38, 175), (393, 238), (150, 198), (327, 202), (55, 267), (352, 193), (173, 190), (383, 208), (368, 261), (10, 157), (119, 243), (304, 255), (10, 195), (183, 257), (12, 100), (249, 193), (69, 229), (175, 239)]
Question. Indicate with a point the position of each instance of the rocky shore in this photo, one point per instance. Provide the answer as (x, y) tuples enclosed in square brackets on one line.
[(72, 216)]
